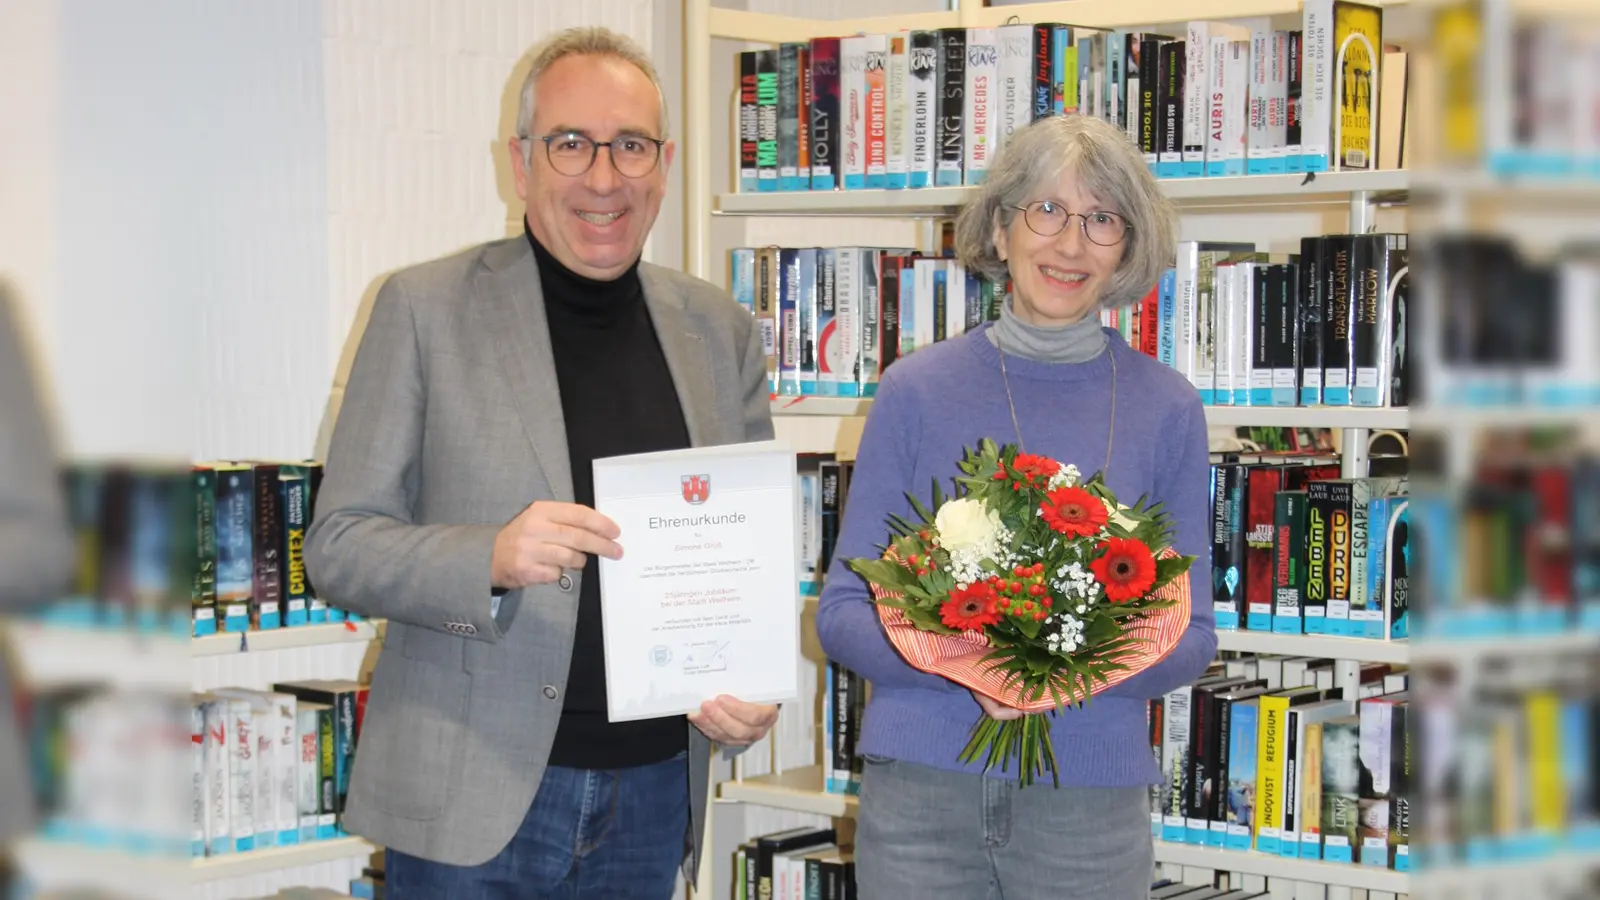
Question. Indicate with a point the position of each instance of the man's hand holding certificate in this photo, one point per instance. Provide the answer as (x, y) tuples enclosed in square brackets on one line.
[(703, 602)]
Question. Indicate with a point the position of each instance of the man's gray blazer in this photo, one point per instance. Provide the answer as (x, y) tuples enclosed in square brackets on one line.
[(450, 425)]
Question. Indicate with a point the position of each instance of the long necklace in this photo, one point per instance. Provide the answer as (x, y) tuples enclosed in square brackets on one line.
[(1110, 431)]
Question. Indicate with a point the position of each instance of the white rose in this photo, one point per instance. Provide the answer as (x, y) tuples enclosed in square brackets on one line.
[(966, 523)]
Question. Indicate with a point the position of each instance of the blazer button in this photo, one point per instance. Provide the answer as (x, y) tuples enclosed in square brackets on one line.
[(565, 582), (470, 628), (550, 691)]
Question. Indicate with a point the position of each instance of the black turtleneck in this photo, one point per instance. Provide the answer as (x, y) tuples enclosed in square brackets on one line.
[(618, 398)]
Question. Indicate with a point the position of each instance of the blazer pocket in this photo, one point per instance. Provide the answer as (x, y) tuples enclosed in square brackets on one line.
[(410, 756)]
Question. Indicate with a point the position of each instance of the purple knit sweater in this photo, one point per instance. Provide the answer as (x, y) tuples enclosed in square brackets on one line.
[(950, 395)]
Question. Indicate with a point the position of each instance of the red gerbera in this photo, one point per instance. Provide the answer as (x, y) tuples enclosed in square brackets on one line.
[(1127, 569), (971, 607), (1073, 511), (1030, 466)]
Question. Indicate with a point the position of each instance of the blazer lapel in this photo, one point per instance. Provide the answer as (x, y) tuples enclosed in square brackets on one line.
[(685, 351), (520, 335)]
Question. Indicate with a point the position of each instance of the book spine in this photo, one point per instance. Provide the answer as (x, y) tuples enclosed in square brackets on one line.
[(1043, 72), (1202, 727), (1150, 88), (1288, 560), (1313, 273), (768, 289), (1294, 149), (1338, 311), (853, 111), (877, 123), (847, 291), (1241, 784), (1212, 324), (1270, 757), (1259, 142), (1014, 106), (235, 551), (1264, 306), (952, 81), (1285, 355), (1132, 91), (827, 328), (871, 319), (982, 72), (1341, 788), (749, 123), (1169, 163), (924, 119), (767, 120), (891, 267), (807, 314), (897, 112), (789, 322), (803, 119), (788, 112), (1277, 101), (1310, 812), (1174, 750), (825, 125), (203, 598), (1316, 79), (1196, 97), (1261, 486), (1339, 501), (1227, 534), (1319, 511), (1373, 260), (296, 590)]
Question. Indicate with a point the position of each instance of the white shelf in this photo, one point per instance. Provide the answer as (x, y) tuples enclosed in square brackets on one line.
[(284, 638), (1242, 190), (52, 656), (55, 656), (64, 867), (1468, 653), (1316, 645), (1093, 14), (796, 790), (233, 865), (1397, 417), (1251, 863)]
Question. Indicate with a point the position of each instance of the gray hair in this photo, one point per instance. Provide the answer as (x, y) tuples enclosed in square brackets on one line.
[(1109, 166), (589, 40)]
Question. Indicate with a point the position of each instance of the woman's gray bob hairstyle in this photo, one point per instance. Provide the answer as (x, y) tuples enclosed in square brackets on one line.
[(1108, 165)]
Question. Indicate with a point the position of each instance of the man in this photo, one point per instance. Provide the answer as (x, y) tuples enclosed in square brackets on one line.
[(457, 504), (36, 545)]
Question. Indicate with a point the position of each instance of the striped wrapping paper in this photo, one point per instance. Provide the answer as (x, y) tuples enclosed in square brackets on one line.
[(958, 656)]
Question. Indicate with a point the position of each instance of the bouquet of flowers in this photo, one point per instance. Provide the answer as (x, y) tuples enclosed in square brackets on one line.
[(1032, 586)]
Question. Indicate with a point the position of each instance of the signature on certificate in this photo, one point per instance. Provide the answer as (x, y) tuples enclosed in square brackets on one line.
[(705, 656)]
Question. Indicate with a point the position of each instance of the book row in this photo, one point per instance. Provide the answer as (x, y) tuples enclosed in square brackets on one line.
[(198, 549), (217, 773), (1521, 92), (914, 109), (1503, 328), (1326, 326), (1264, 753), (795, 864), (1515, 549), (272, 768), (1323, 327), (1298, 549)]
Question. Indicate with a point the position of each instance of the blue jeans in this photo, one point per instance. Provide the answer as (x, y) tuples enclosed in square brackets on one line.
[(938, 835), (616, 834)]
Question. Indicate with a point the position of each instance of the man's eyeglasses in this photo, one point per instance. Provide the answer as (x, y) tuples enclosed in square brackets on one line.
[(633, 155), (1048, 218)]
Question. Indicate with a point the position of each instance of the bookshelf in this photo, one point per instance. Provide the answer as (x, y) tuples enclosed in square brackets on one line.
[(50, 656), (824, 425)]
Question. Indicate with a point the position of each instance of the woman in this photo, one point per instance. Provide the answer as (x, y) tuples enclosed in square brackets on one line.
[(1072, 215)]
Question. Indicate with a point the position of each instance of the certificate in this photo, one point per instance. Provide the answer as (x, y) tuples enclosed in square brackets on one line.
[(705, 600)]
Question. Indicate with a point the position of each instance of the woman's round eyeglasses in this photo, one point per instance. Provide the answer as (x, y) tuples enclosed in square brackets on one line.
[(633, 155), (1047, 218)]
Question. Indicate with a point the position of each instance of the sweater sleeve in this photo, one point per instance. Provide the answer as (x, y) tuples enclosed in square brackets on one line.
[(847, 620), (1182, 484)]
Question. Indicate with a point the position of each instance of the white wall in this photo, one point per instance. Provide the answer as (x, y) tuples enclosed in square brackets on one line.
[(196, 198)]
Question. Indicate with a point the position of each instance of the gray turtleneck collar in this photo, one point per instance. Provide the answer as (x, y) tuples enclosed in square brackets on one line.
[(1079, 342)]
